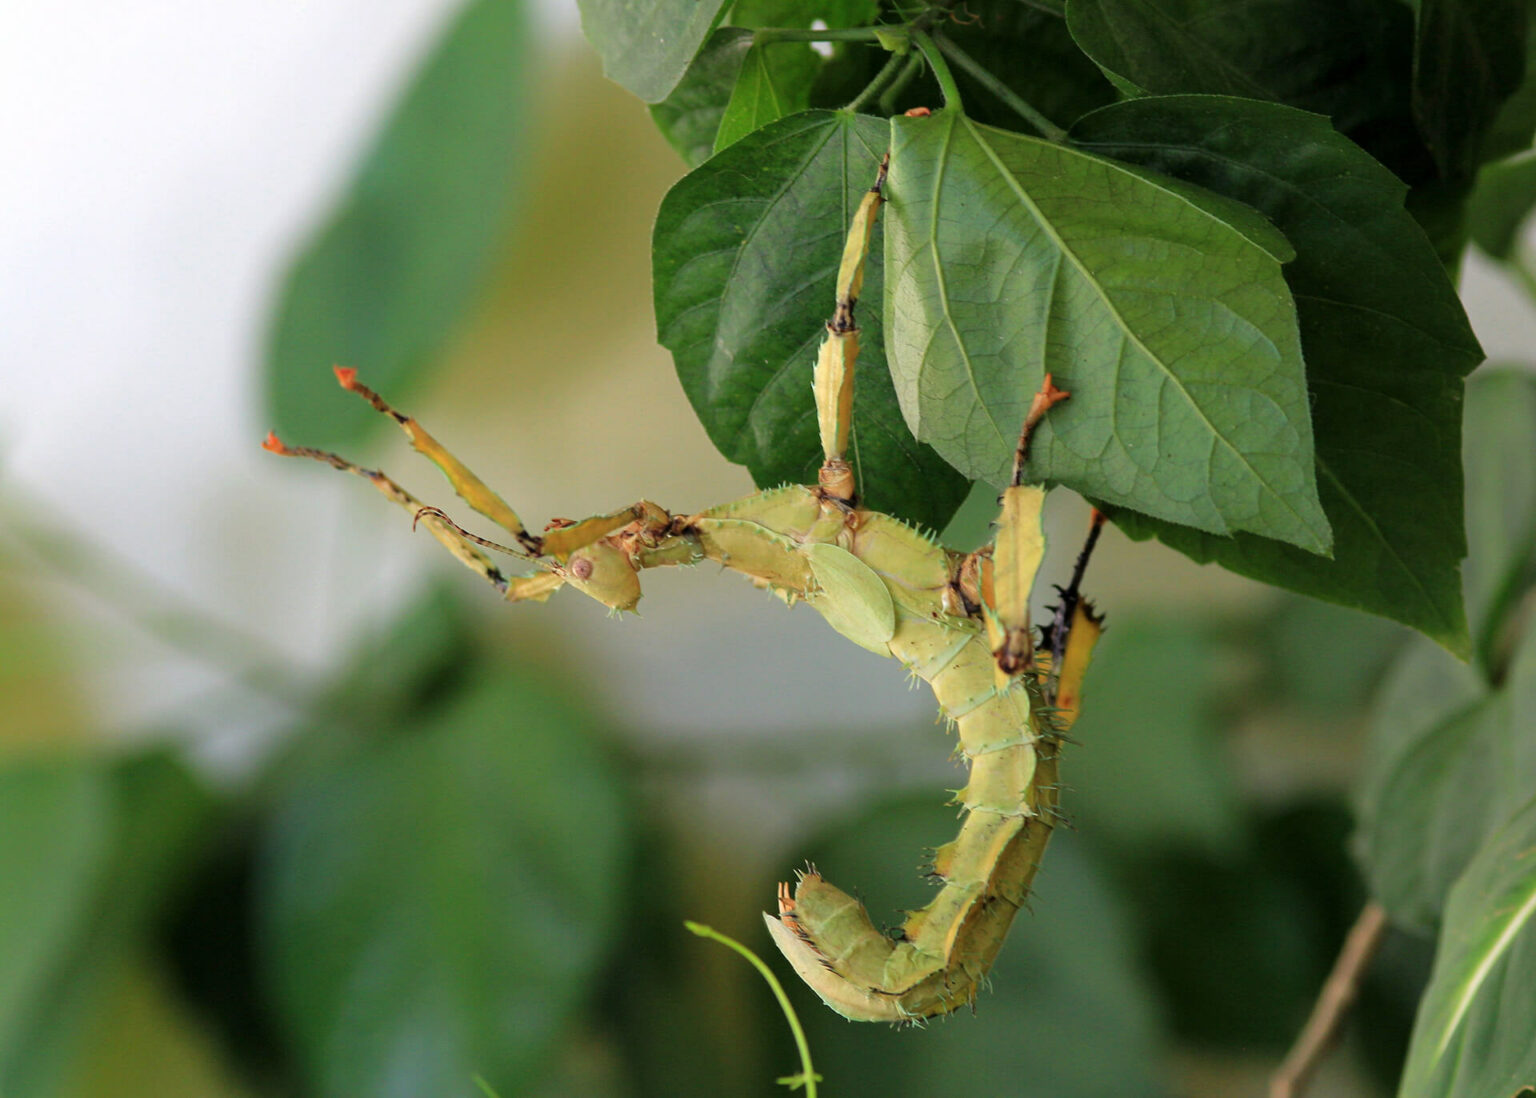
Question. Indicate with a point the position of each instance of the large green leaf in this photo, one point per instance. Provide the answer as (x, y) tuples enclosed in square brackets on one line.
[(397, 266), (1161, 307), (1386, 343), (1472, 1038), (1469, 56), (646, 46), (1348, 59), (746, 253), (1443, 779), (1501, 201), (775, 80), (435, 908), (1069, 1013), (1501, 504), (689, 117)]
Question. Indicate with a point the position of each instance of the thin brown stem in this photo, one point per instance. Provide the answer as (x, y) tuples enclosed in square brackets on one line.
[(1333, 1003)]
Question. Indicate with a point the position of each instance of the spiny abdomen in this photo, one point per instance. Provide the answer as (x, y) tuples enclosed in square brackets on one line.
[(942, 952)]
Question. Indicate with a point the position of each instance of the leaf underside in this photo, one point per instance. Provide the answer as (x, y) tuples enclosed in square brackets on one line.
[(1386, 344), (1162, 308), (646, 48)]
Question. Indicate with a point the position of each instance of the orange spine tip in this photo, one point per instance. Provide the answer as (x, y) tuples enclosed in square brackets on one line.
[(272, 444), (347, 376)]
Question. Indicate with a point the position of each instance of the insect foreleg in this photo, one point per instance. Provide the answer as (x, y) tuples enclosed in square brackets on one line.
[(470, 488), (448, 534)]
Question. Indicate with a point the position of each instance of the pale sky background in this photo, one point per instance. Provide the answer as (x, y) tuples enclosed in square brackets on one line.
[(162, 162)]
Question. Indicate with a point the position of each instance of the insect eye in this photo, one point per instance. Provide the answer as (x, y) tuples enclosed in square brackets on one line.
[(581, 568)]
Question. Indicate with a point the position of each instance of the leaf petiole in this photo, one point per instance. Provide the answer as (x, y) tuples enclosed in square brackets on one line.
[(941, 72), (1047, 129), (887, 71)]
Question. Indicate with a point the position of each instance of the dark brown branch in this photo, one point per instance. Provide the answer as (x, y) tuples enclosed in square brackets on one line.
[(1333, 1003)]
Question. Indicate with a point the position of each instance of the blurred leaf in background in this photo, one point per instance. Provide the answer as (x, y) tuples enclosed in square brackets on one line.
[(436, 907), (408, 251)]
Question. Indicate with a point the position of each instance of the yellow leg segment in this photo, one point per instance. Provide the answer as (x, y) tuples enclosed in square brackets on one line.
[(471, 489), (833, 379)]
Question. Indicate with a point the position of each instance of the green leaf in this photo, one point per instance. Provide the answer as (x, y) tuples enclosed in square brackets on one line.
[(1472, 1038), (1161, 307), (690, 116), (1442, 779), (746, 251), (55, 824), (1068, 978), (1500, 203), (775, 80), (398, 265), (1348, 59), (1386, 344), (1501, 503), (1151, 776), (1469, 56), (646, 47), (436, 908)]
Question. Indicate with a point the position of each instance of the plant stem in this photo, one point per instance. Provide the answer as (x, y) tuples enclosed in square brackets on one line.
[(765, 35), (1333, 1003), (887, 71), (118, 584), (941, 71), (807, 1072), (1058, 8), (891, 94), (1048, 129)]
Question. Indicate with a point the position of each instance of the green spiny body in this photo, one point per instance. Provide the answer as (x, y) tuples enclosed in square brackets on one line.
[(943, 951)]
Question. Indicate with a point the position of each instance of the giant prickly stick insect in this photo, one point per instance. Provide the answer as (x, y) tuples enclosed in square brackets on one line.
[(960, 622)]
